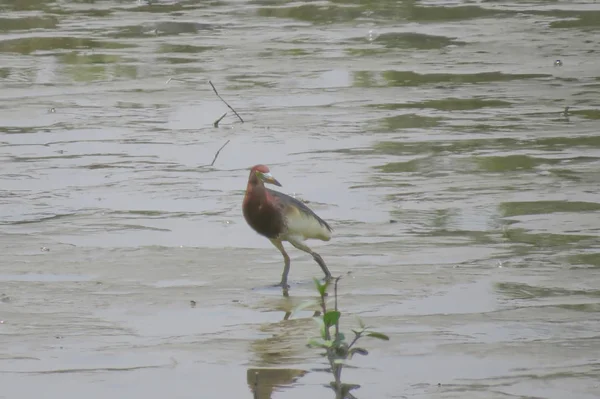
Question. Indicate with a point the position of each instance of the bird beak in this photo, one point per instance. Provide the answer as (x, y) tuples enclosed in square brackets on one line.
[(268, 178)]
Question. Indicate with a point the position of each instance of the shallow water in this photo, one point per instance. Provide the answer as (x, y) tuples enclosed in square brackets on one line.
[(430, 134)]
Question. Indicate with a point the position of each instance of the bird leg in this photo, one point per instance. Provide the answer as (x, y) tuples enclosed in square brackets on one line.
[(301, 246), (286, 268)]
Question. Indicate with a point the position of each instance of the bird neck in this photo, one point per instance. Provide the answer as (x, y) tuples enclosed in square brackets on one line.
[(256, 189)]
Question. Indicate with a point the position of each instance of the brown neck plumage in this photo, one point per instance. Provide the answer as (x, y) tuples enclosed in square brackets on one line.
[(255, 188)]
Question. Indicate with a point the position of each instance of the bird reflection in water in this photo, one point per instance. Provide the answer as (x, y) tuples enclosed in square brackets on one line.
[(286, 344), (263, 381)]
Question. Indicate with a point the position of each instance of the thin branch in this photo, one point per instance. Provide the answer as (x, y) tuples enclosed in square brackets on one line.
[(216, 124), (217, 93), (217, 154)]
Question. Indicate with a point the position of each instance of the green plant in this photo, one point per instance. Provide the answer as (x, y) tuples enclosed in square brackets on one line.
[(337, 349)]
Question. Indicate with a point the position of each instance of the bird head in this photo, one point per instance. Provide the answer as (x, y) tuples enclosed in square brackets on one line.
[(264, 174)]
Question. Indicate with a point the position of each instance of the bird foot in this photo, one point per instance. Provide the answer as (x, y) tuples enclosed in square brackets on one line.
[(282, 284), (284, 288)]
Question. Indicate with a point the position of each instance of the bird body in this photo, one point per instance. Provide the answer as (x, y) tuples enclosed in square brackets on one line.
[(280, 217), (299, 219)]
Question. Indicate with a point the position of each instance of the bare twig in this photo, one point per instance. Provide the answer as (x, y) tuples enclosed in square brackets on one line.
[(216, 124), (217, 93), (217, 154)]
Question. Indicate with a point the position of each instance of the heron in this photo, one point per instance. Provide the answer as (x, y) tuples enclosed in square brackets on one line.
[(280, 218)]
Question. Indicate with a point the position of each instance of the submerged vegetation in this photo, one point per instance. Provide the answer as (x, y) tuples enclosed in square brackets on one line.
[(338, 350)]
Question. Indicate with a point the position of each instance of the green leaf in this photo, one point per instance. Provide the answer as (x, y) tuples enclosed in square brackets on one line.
[(304, 305), (358, 333), (361, 323), (319, 321), (378, 335), (360, 351), (339, 361), (331, 318), (340, 350), (340, 337), (319, 343), (316, 343), (322, 288), (346, 388), (331, 331)]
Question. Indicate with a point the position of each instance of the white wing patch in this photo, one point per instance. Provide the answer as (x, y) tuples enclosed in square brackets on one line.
[(305, 226)]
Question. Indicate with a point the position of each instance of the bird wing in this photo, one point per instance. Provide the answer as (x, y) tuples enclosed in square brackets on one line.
[(286, 201)]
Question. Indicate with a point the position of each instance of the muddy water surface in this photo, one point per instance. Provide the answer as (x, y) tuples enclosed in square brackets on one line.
[(431, 135)]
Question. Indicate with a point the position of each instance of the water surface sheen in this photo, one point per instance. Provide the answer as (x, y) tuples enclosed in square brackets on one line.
[(430, 134)]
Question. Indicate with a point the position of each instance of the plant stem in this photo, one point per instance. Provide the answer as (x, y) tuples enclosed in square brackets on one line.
[(336, 370), (337, 325), (336, 367), (356, 338)]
